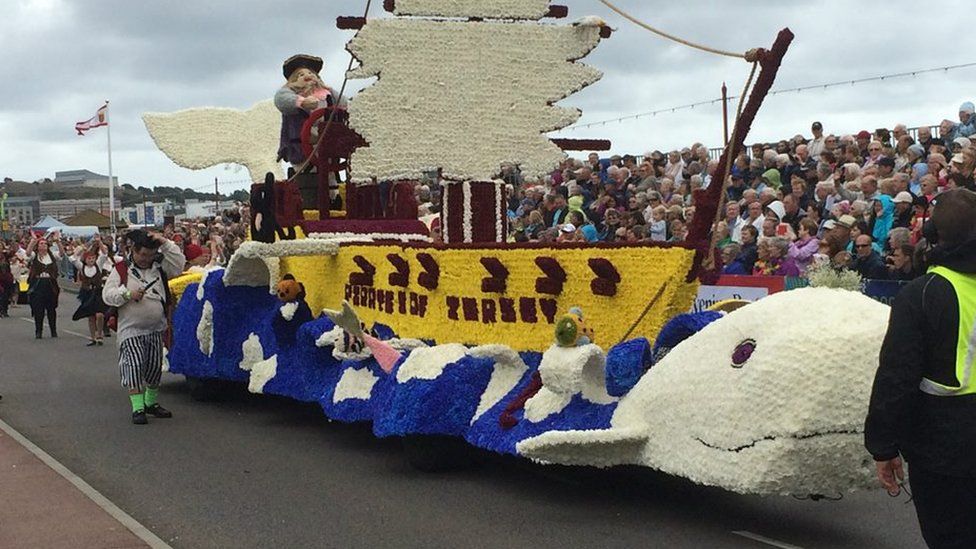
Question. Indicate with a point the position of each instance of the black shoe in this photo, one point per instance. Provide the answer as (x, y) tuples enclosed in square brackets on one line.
[(100, 342), (54, 333), (91, 343), (108, 333), (158, 411), (38, 335), (139, 417)]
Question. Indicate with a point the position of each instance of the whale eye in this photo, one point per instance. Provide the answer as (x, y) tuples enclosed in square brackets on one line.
[(743, 352)]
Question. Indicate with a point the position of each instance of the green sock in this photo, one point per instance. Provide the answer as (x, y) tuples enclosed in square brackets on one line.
[(151, 396), (138, 402)]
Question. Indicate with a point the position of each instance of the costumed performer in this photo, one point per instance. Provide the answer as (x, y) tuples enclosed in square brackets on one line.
[(42, 279), (138, 288), (91, 264)]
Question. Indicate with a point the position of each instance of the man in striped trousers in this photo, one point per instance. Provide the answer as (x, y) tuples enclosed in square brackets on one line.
[(138, 289)]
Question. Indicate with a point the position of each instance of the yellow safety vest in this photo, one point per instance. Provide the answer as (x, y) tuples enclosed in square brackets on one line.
[(965, 287)]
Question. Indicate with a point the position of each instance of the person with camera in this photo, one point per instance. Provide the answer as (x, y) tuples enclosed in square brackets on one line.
[(137, 287), (923, 402)]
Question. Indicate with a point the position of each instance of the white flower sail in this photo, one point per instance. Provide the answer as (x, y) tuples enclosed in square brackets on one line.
[(465, 96)]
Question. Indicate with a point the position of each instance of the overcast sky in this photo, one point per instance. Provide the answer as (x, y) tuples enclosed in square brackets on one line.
[(62, 58)]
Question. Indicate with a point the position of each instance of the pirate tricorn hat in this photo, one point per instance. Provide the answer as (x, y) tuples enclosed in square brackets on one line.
[(301, 61)]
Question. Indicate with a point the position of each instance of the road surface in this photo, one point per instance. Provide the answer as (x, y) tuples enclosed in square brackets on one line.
[(256, 471)]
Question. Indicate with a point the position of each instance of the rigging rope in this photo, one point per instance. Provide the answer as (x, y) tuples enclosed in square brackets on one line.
[(748, 56), (710, 259), (328, 123)]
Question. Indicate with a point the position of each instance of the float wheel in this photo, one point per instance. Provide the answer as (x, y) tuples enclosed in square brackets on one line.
[(203, 389), (437, 453)]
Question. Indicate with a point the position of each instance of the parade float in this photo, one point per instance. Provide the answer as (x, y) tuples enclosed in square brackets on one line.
[(560, 353)]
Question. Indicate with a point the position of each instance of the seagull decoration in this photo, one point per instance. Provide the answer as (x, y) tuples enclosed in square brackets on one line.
[(347, 319), (205, 137)]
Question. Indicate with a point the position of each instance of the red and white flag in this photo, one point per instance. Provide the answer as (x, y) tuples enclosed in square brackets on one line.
[(100, 119)]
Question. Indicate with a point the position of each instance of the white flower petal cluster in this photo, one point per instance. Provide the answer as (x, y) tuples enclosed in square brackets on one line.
[(352, 238), (256, 263), (787, 420), (205, 329), (566, 372), (205, 137), (487, 9), (464, 96)]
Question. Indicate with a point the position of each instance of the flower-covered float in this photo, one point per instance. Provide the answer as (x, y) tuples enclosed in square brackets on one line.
[(561, 353)]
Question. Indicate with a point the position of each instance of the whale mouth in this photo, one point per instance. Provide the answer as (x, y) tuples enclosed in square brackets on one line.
[(780, 437)]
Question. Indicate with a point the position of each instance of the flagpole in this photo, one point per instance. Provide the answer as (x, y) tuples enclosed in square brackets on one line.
[(111, 181)]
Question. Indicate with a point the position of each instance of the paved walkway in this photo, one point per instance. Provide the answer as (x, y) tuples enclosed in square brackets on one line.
[(41, 508)]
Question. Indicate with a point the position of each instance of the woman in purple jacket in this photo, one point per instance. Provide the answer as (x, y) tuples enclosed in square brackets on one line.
[(806, 245)]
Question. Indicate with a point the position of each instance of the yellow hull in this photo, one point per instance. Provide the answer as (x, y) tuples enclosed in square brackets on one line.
[(464, 295)]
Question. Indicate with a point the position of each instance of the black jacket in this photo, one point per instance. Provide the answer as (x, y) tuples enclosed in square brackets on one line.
[(937, 434), (871, 267)]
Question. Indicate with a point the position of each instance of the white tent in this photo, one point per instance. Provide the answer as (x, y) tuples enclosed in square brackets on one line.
[(46, 223)]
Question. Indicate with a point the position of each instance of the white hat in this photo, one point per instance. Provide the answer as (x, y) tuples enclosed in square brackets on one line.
[(568, 228), (958, 159), (903, 198), (962, 141), (777, 208), (829, 224)]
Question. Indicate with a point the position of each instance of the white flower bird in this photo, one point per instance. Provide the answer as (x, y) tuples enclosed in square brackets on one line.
[(205, 137)]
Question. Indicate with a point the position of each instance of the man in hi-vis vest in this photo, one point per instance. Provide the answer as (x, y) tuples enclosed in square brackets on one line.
[(923, 404)]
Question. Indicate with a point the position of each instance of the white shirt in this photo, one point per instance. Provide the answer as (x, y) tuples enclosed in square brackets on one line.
[(735, 229), (815, 147)]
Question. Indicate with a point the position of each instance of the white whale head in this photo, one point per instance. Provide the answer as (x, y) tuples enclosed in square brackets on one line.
[(770, 399)]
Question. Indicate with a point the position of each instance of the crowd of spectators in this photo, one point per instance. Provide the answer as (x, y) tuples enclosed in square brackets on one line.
[(205, 243), (858, 201)]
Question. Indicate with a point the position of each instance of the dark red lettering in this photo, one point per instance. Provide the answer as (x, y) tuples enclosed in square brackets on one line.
[(367, 271), (498, 279), (555, 276), (401, 276), (470, 307), (488, 311), (527, 310), (507, 306), (607, 277), (431, 274), (453, 304), (548, 307)]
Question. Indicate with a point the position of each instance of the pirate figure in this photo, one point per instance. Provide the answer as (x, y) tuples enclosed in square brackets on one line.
[(303, 93)]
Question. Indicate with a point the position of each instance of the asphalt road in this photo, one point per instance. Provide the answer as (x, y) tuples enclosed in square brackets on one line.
[(255, 471)]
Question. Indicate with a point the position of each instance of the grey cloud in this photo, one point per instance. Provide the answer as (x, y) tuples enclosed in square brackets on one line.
[(163, 56)]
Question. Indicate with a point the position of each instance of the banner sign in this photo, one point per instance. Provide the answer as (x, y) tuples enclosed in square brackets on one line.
[(710, 295), (883, 290), (772, 283)]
